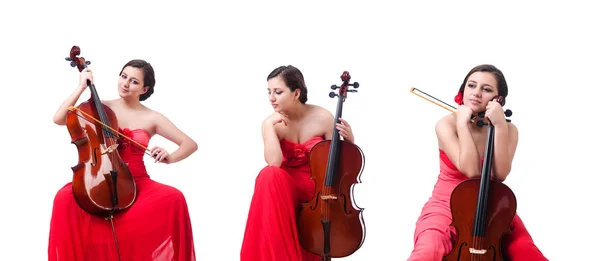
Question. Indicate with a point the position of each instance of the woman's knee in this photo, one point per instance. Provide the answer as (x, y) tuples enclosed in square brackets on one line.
[(64, 194), (173, 192), (430, 244), (522, 248), (269, 174)]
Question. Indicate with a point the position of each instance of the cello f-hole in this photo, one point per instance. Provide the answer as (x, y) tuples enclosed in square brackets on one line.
[(95, 156), (460, 248), (316, 204), (346, 210)]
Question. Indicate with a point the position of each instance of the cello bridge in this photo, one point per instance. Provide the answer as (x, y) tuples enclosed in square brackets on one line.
[(477, 251), (110, 149), (326, 197)]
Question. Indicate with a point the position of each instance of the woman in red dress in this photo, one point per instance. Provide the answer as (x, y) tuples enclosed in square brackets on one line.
[(157, 226), (461, 146), (281, 187)]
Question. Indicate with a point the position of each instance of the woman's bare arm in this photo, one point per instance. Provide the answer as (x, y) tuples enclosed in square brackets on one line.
[(272, 147), (505, 144), (166, 128), (60, 117), (458, 146)]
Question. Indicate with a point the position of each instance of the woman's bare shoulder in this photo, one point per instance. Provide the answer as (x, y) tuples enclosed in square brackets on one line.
[(109, 103), (446, 121), (513, 130), (155, 115), (320, 112)]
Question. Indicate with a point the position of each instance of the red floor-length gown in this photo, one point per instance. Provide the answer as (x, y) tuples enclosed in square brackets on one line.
[(433, 236), (156, 227), (271, 233)]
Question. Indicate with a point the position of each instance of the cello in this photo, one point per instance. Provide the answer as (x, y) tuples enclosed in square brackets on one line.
[(102, 183), (482, 206), (330, 224)]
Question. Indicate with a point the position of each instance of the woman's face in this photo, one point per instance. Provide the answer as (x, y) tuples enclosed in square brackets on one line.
[(131, 82), (280, 95), (480, 88)]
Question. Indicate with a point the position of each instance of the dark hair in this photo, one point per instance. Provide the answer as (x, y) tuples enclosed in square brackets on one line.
[(293, 78), (500, 80), (148, 75)]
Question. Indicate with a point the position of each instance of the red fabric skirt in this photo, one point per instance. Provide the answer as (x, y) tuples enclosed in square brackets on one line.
[(271, 233), (156, 227)]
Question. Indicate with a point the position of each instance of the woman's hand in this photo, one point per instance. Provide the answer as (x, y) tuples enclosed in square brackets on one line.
[(345, 130), (60, 117), (463, 115), (495, 113), (277, 117), (160, 155), (84, 76)]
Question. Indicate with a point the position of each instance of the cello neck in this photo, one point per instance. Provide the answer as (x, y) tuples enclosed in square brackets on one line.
[(335, 138), (482, 200), (479, 223), (100, 108), (338, 114), (489, 153)]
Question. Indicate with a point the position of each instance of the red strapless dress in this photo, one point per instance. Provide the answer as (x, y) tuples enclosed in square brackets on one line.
[(156, 227), (434, 238), (271, 233)]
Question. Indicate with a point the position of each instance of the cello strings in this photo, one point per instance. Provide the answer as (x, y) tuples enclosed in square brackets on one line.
[(111, 129)]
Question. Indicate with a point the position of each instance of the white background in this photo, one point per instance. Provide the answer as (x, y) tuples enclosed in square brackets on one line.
[(211, 63)]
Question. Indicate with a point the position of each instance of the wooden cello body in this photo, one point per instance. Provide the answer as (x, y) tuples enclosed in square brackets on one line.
[(102, 183), (330, 224), (482, 211)]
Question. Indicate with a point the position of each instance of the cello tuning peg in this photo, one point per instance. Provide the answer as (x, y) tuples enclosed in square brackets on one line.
[(73, 64), (333, 87), (352, 91), (88, 62), (355, 84), (481, 114), (332, 94), (508, 120), (481, 123), (68, 59), (508, 113)]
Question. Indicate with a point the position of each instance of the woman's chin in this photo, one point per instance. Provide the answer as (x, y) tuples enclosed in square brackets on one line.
[(125, 95), (476, 108)]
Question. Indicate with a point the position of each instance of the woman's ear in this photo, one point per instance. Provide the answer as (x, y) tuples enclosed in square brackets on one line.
[(297, 94)]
